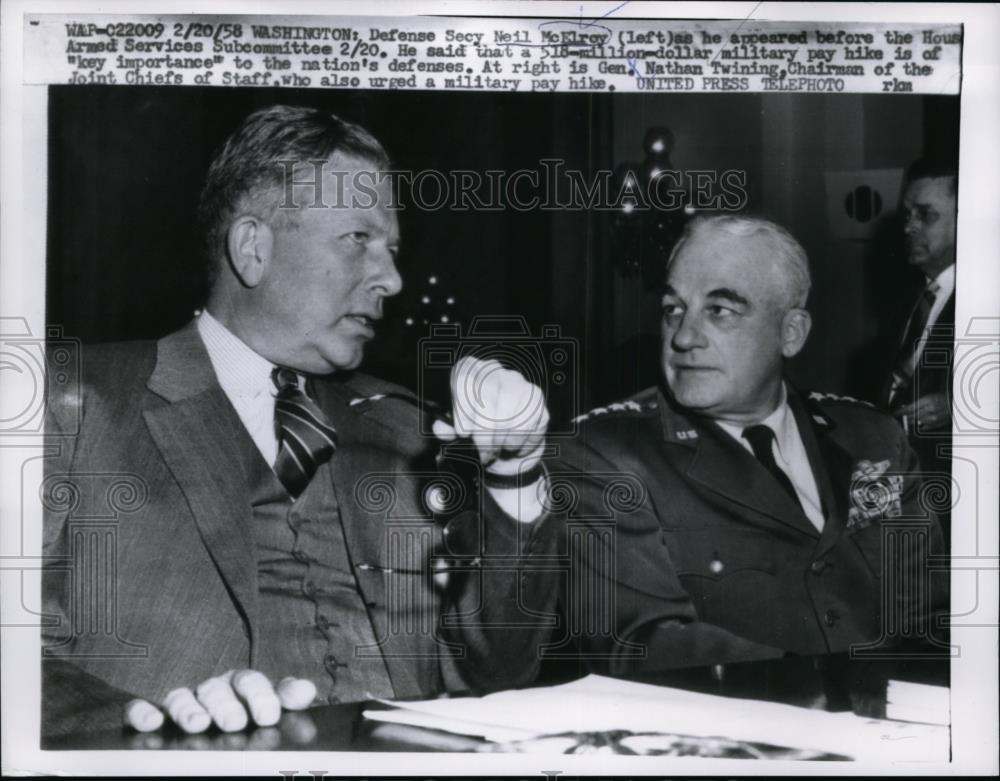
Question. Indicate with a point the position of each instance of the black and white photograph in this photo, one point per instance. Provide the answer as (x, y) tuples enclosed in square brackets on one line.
[(509, 389)]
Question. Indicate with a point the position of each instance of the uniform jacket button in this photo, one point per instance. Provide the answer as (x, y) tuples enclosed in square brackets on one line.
[(716, 566), (831, 617), (817, 566)]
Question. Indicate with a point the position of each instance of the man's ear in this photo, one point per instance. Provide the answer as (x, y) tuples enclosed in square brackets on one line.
[(795, 329), (249, 242)]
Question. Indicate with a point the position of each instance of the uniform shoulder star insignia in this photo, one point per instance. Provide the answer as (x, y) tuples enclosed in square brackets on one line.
[(636, 404), (833, 398), (358, 400), (363, 393)]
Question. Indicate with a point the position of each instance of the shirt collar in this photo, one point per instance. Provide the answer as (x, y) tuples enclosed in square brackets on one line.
[(239, 369), (777, 421), (944, 283)]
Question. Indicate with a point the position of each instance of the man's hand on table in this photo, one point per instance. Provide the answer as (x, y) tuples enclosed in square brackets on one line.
[(230, 701)]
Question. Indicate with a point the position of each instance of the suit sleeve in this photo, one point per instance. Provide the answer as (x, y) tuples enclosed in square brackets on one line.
[(625, 608), (73, 701)]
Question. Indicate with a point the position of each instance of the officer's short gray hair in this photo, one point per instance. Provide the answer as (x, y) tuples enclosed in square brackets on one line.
[(795, 277)]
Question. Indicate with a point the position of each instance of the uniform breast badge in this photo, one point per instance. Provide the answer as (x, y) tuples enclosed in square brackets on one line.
[(874, 495)]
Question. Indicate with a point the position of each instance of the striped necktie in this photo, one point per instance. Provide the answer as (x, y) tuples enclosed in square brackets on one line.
[(305, 436)]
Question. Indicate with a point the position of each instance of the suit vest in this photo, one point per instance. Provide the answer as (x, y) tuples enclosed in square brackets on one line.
[(314, 622)]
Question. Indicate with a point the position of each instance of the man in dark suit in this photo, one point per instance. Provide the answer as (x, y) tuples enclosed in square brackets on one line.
[(274, 530), (727, 516), (917, 390)]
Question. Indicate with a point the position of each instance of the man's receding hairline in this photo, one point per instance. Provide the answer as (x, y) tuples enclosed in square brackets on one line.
[(780, 293)]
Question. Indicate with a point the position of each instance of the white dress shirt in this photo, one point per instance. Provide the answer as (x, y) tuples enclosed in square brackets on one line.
[(245, 377), (790, 455)]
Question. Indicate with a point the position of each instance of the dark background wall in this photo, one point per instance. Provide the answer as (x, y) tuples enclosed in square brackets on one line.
[(125, 169)]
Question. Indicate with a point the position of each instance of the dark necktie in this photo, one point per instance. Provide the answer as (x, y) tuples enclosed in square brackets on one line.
[(305, 436), (914, 330), (761, 439)]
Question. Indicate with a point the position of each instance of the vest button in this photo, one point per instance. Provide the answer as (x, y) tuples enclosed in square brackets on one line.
[(333, 699), (300, 555), (308, 588)]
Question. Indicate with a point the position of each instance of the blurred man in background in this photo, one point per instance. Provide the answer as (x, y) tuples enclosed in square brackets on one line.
[(918, 389)]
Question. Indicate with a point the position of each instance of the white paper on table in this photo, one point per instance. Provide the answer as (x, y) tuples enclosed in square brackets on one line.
[(597, 703), (445, 724), (920, 702)]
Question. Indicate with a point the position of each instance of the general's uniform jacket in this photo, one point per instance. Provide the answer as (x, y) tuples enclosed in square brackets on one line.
[(147, 451), (712, 553)]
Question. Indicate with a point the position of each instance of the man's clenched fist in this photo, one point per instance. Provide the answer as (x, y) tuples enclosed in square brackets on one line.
[(503, 414)]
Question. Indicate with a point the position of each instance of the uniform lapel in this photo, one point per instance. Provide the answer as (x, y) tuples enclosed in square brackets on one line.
[(830, 463), (718, 463), (352, 461), (199, 435), (369, 448)]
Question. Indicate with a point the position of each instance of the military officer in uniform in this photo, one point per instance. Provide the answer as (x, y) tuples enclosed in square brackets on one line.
[(758, 516)]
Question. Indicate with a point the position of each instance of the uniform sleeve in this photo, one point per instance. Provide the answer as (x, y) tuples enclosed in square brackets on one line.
[(923, 557), (500, 600)]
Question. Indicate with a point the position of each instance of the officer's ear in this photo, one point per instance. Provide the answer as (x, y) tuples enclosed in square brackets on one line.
[(249, 244), (795, 327)]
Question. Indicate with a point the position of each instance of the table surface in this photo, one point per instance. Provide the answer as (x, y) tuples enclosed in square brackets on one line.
[(834, 683)]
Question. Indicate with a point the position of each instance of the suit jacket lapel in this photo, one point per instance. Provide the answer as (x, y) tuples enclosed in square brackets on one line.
[(199, 433), (723, 466)]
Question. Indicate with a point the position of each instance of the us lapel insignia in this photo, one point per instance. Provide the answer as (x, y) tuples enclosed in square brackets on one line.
[(874, 494)]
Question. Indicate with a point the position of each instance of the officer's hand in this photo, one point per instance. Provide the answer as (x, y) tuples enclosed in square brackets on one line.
[(230, 700), (503, 414), (929, 412)]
